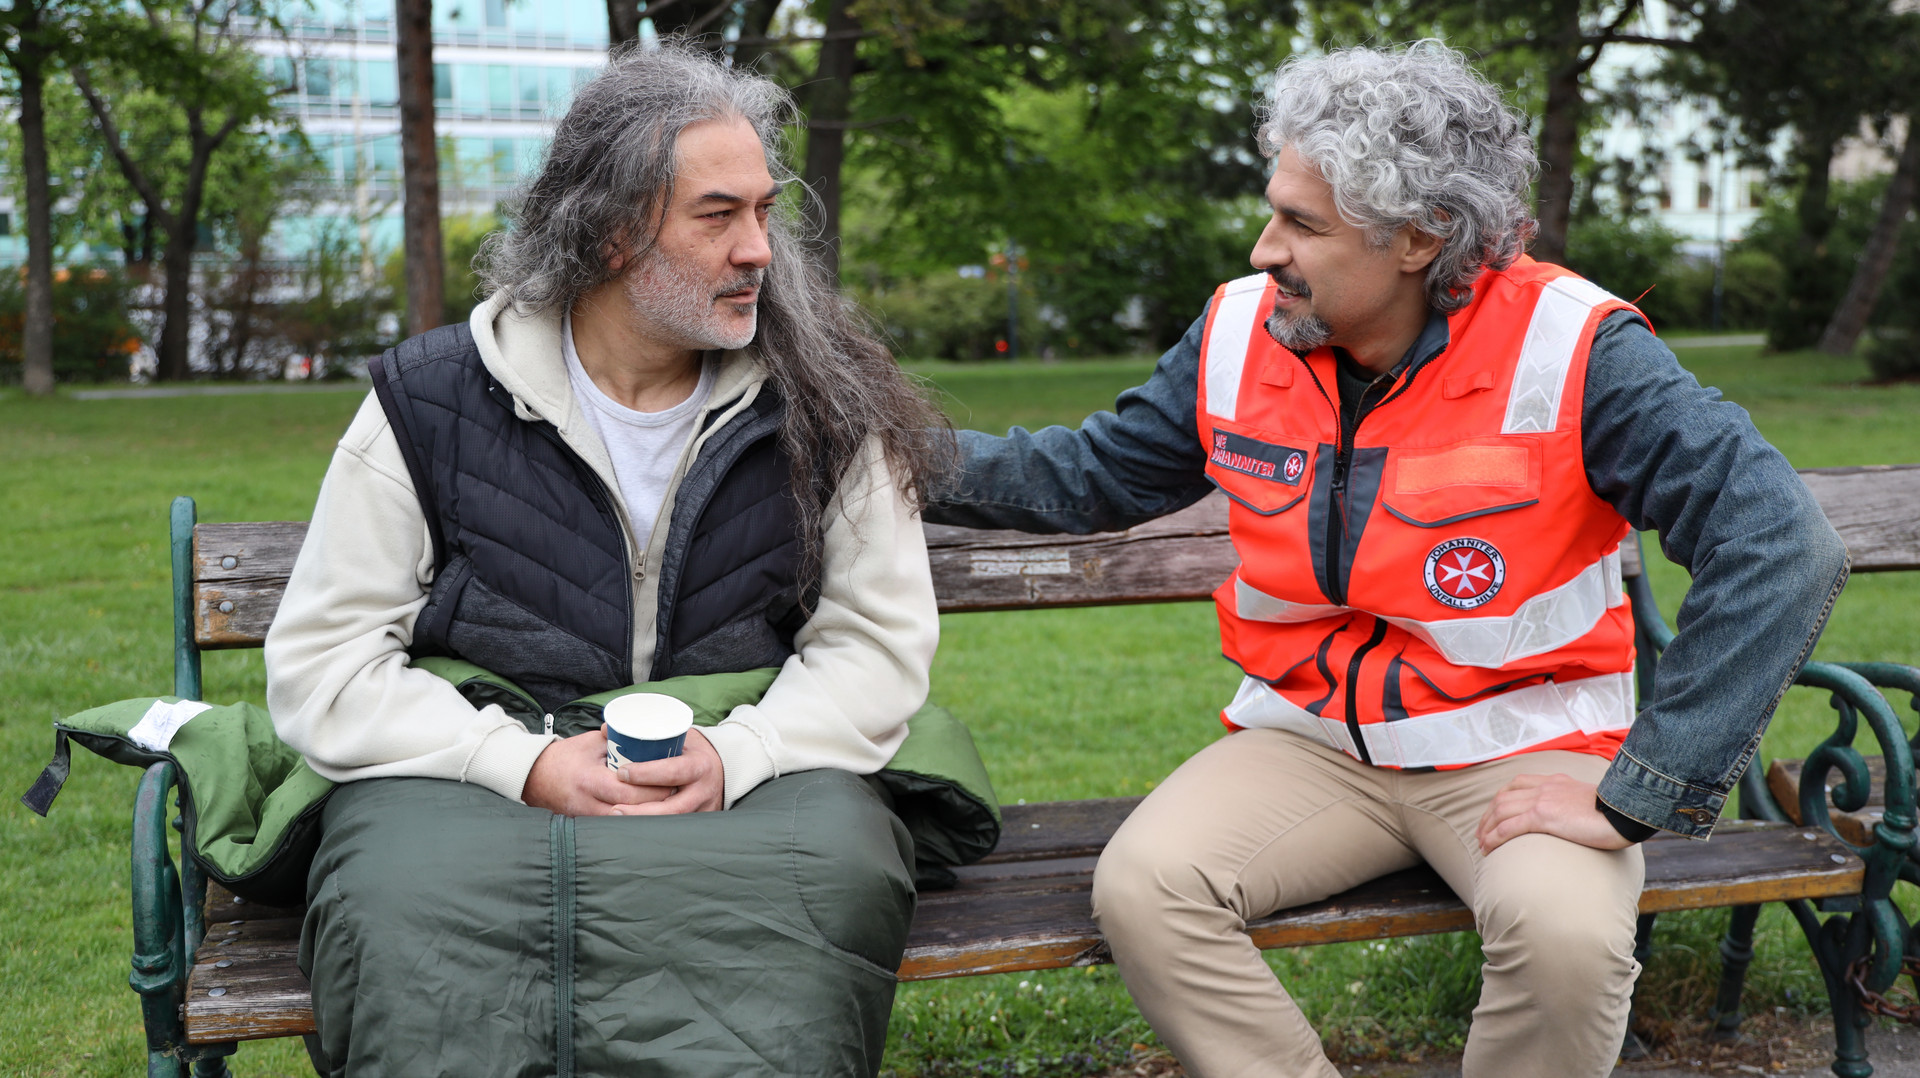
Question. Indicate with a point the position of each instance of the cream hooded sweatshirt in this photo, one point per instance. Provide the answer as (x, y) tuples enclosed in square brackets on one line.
[(338, 681)]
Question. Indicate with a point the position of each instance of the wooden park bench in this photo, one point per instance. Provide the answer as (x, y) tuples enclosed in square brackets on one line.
[(213, 970)]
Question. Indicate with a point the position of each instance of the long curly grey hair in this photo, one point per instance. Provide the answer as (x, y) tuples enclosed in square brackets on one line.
[(1412, 136), (600, 194)]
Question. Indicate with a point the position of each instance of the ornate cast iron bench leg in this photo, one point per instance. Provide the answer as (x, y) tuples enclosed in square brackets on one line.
[(1861, 948), (166, 929), (1736, 947)]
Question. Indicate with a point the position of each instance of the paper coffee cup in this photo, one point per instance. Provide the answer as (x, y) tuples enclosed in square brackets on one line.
[(645, 726)]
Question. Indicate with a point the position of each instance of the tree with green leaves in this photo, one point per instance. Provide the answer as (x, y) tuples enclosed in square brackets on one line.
[(1109, 147), (187, 61), (1545, 50), (1814, 70)]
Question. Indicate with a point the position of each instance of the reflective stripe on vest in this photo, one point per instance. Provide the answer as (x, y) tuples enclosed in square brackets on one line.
[(1485, 730), (1464, 554), (1239, 309), (1540, 375), (1559, 317), (1547, 622)]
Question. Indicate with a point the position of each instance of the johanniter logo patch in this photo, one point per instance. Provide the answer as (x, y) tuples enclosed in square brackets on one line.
[(1465, 573), (1240, 453)]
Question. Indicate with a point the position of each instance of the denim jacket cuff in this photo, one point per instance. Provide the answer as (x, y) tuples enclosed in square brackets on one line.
[(1633, 789)]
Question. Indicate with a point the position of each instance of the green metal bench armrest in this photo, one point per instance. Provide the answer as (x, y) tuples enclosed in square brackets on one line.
[(168, 912), (1877, 930)]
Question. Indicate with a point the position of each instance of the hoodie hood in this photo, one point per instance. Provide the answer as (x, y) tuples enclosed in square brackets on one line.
[(521, 349)]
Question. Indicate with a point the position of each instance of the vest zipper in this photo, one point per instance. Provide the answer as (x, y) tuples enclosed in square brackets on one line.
[(603, 499), (1353, 688), (1337, 495)]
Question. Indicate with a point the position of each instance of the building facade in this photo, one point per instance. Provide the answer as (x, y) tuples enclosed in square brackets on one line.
[(501, 74)]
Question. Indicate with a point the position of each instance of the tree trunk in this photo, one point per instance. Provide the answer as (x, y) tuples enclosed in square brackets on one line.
[(829, 101), (1560, 136), (176, 310), (420, 168), (1809, 297), (623, 23), (247, 281), (755, 24), (183, 234), (1850, 318), (1559, 140), (37, 338)]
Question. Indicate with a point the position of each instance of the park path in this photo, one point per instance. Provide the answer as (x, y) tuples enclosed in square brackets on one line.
[(1724, 340)]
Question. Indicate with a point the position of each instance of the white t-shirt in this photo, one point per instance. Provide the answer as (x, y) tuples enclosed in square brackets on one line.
[(644, 446)]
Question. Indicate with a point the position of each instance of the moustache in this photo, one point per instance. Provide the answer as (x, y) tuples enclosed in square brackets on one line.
[(749, 279), (1290, 282)]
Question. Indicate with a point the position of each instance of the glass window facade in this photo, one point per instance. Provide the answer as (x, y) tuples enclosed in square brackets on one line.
[(504, 71)]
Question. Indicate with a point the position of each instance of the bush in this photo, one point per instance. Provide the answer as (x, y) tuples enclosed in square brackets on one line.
[(1894, 355), (1640, 257), (1751, 288), (1811, 283), (92, 336), (946, 316), (460, 238)]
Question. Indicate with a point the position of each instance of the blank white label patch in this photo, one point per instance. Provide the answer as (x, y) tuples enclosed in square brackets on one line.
[(1022, 563), (155, 730)]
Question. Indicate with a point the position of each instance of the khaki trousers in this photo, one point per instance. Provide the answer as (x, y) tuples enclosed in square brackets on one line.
[(1263, 820)]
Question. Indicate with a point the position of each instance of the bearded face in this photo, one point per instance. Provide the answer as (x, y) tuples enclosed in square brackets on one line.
[(684, 304), (1294, 327)]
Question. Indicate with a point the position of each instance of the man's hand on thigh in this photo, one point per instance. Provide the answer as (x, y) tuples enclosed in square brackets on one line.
[(571, 778), (1558, 805)]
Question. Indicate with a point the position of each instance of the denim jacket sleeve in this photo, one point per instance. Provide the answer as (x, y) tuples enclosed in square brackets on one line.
[(1120, 468), (1672, 456)]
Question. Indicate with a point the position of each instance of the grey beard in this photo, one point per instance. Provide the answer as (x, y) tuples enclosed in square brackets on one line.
[(680, 308), (1302, 333)]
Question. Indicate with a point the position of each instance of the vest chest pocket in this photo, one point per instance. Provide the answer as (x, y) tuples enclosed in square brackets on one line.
[(1259, 470), (1437, 487)]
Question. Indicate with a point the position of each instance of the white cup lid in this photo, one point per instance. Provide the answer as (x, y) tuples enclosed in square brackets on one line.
[(649, 716)]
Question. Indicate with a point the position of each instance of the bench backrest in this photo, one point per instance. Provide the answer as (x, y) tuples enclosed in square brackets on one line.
[(238, 571)]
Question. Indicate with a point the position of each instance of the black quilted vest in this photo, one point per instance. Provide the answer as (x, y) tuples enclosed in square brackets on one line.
[(532, 579)]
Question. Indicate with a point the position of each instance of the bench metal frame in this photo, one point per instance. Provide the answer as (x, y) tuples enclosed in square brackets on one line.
[(1864, 931), (1868, 929)]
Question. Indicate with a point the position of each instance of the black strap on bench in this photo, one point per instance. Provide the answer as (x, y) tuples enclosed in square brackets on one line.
[(47, 786)]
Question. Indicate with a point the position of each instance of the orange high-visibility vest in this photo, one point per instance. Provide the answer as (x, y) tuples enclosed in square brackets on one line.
[(1445, 589)]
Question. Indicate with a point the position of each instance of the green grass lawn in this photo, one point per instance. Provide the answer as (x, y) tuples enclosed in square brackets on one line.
[(1064, 704)]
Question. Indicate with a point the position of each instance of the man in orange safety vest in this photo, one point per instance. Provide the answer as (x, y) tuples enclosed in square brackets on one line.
[(1434, 447)]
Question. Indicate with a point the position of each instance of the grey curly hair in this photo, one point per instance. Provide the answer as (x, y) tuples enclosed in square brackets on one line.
[(596, 206), (1412, 136)]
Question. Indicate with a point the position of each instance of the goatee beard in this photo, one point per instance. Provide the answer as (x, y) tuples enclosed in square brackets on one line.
[(1301, 333)]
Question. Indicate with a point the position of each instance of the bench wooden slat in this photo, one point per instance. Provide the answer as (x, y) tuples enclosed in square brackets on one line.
[(1176, 558), (1058, 828), (262, 991), (1783, 782), (1873, 510), (1031, 911), (1180, 557)]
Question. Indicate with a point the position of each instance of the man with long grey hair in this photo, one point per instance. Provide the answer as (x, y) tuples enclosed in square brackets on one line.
[(1433, 447), (663, 451)]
